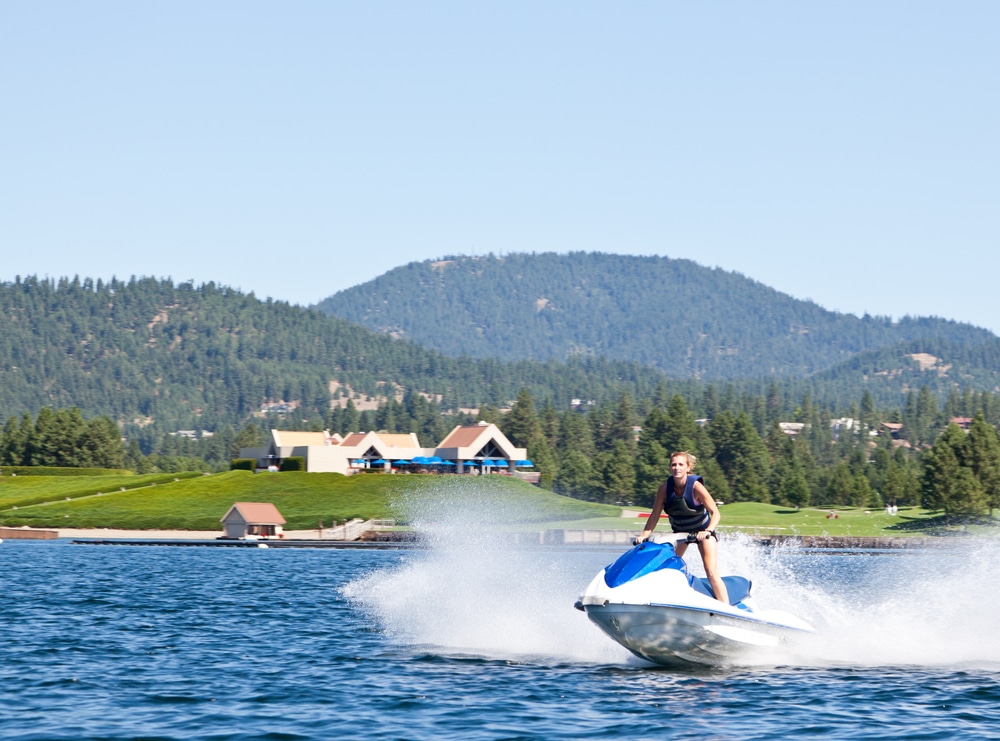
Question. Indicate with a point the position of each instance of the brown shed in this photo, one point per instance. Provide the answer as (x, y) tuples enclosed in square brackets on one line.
[(260, 519)]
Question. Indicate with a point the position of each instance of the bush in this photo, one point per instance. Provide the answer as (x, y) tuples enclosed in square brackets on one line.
[(294, 463), (243, 464)]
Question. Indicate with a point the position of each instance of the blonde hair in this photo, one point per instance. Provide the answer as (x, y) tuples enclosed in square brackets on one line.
[(691, 460)]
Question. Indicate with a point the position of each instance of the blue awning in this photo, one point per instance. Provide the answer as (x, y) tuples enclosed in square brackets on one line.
[(523, 463)]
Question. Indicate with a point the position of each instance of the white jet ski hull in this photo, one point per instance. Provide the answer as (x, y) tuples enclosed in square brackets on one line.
[(663, 615), (668, 635)]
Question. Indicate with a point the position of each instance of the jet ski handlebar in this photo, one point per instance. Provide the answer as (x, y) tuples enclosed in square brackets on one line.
[(679, 538)]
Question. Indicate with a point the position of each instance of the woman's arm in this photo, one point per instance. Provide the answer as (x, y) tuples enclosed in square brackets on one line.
[(654, 516), (702, 496)]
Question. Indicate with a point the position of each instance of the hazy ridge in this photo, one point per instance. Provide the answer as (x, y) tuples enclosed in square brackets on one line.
[(687, 319)]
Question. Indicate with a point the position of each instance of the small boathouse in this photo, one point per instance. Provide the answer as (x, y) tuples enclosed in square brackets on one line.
[(261, 519)]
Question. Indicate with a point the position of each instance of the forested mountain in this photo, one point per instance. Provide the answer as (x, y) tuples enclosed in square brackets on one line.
[(152, 354), (157, 358), (939, 365), (686, 319)]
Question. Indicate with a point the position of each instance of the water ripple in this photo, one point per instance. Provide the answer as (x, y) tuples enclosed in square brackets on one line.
[(187, 643)]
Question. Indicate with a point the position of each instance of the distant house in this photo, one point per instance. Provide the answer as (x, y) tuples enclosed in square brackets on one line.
[(847, 424), (892, 429), (252, 518), (479, 447), (791, 428), (963, 422)]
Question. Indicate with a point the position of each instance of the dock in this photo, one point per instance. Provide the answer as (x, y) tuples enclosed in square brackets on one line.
[(233, 543), (17, 533)]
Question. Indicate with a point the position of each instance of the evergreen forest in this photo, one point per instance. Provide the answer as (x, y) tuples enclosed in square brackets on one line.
[(686, 319), (154, 376)]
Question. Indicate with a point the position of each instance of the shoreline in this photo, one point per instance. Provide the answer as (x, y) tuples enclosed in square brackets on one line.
[(811, 542), (70, 533)]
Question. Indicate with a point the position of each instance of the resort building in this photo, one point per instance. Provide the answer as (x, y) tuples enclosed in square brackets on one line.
[(467, 448)]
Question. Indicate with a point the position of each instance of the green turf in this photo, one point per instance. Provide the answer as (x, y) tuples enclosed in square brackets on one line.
[(304, 499), (21, 491), (769, 519), (196, 502)]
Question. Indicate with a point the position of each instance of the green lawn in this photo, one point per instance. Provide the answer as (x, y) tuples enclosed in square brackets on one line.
[(197, 502), (304, 499), (768, 519), (21, 491)]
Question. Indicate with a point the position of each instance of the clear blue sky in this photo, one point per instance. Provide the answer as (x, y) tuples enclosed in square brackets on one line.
[(844, 152)]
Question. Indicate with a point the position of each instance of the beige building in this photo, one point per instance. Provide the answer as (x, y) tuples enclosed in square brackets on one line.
[(480, 447)]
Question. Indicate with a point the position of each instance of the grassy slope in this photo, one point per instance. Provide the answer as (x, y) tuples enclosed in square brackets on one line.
[(21, 491), (302, 498), (165, 501)]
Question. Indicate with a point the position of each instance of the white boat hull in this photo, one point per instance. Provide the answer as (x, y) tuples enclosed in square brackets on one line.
[(659, 616), (666, 635)]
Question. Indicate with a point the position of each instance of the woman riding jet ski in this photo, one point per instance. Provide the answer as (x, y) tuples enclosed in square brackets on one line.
[(647, 602)]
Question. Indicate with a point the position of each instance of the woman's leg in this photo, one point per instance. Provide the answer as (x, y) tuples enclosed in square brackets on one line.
[(710, 557)]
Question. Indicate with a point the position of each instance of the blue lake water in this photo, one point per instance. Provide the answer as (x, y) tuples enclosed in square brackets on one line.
[(474, 639)]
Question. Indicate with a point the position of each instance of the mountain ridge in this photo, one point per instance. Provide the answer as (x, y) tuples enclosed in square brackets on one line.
[(673, 314)]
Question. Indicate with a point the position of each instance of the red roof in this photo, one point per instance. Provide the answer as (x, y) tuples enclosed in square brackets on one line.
[(257, 513), (462, 437)]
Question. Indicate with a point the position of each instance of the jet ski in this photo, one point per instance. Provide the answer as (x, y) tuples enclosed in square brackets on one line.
[(649, 603)]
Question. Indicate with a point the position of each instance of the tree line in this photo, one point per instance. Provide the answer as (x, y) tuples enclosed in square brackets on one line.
[(618, 451)]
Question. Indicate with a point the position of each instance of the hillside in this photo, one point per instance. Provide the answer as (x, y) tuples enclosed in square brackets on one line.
[(936, 364), (197, 503), (676, 315), (155, 355)]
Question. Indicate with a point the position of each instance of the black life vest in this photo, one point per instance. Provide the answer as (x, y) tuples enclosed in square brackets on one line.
[(686, 515)]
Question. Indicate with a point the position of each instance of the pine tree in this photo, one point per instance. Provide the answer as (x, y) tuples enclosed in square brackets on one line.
[(967, 497), (249, 436), (869, 418), (840, 485), (862, 494), (941, 466), (574, 435), (575, 477), (982, 455), (16, 439), (100, 445), (619, 474), (622, 426), (521, 425), (742, 456), (680, 432)]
